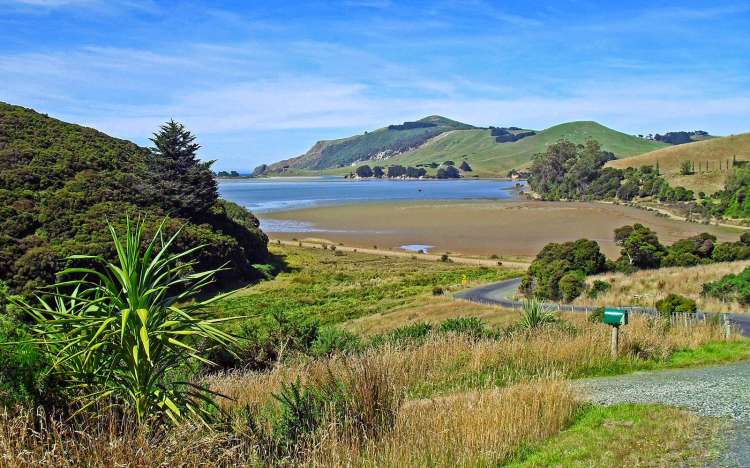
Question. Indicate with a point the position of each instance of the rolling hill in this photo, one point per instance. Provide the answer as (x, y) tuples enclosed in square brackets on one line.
[(489, 158), (455, 141), (707, 153), (60, 184), (378, 144)]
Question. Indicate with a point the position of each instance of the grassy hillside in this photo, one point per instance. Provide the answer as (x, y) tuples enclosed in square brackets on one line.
[(370, 145), (708, 152), (487, 157), (59, 185)]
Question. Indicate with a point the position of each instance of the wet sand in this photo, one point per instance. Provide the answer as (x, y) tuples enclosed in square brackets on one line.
[(513, 228)]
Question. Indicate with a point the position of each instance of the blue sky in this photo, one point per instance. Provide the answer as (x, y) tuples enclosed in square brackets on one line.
[(259, 81)]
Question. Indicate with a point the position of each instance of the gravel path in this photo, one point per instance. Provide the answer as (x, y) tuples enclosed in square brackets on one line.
[(721, 391)]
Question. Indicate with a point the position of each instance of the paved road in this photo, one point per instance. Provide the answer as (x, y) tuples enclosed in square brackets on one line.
[(720, 391), (501, 294)]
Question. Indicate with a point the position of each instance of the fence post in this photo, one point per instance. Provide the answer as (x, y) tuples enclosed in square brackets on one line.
[(614, 345)]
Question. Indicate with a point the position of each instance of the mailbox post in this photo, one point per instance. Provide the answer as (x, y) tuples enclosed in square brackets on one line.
[(615, 318)]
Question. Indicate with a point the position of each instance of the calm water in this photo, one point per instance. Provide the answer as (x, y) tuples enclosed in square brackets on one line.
[(267, 195)]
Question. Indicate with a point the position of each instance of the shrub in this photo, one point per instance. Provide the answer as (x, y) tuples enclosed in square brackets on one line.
[(471, 326), (554, 261), (598, 287), (331, 340), (571, 285), (534, 314), (732, 287), (675, 304), (120, 333), (596, 315), (445, 258), (23, 366), (437, 291)]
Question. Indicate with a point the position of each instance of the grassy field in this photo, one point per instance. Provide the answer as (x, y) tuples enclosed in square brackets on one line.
[(334, 287), (489, 158), (645, 287), (708, 152)]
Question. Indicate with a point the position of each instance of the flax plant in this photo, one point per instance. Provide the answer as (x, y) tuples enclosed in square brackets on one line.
[(120, 332)]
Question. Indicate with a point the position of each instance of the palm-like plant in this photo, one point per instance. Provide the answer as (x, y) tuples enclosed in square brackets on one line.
[(122, 333), (534, 314)]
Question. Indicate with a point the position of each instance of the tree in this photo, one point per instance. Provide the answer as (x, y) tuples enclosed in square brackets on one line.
[(675, 304), (396, 171), (364, 171), (448, 172), (465, 167), (378, 172), (640, 246), (182, 183)]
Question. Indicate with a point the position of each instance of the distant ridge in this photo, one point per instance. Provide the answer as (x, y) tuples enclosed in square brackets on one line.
[(452, 140), (377, 144)]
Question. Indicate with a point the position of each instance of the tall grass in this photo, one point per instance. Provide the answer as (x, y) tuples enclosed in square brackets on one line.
[(450, 400), (645, 287)]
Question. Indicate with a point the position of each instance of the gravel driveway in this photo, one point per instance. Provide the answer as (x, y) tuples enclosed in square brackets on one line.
[(721, 391)]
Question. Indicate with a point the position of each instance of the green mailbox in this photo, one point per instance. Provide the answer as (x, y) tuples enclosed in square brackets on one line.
[(615, 317)]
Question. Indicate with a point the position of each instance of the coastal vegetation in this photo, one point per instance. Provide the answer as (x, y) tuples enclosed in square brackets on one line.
[(61, 183), (559, 271), (328, 397)]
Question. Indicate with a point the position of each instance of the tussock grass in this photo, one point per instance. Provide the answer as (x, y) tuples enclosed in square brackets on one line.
[(450, 400), (478, 428), (652, 285), (447, 363)]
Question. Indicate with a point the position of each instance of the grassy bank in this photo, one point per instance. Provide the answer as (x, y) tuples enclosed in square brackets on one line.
[(335, 286)]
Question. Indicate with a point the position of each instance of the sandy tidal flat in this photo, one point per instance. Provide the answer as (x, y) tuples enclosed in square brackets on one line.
[(518, 228)]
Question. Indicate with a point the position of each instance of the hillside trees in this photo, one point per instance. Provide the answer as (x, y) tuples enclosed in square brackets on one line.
[(60, 183), (448, 172), (364, 171)]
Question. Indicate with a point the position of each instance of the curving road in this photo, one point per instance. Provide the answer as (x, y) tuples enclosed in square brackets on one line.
[(501, 294)]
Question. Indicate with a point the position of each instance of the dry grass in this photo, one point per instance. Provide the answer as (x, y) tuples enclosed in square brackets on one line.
[(480, 428), (446, 363), (713, 151), (648, 286), (29, 440), (512, 397), (434, 310)]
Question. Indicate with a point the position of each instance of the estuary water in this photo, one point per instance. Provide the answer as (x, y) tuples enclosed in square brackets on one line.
[(283, 194)]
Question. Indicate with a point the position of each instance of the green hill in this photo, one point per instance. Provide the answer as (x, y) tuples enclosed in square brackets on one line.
[(489, 158), (477, 146), (378, 144), (60, 183), (711, 158)]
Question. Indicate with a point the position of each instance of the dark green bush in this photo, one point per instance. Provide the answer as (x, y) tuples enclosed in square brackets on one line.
[(598, 287), (675, 304), (732, 287), (437, 291), (572, 285), (23, 366), (331, 340), (471, 326)]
